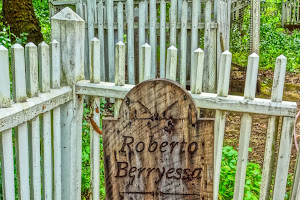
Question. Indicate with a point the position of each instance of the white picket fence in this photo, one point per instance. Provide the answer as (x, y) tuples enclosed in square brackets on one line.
[(146, 21), (48, 89), (290, 12)]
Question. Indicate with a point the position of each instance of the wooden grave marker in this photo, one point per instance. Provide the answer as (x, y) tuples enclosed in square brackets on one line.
[(157, 148)]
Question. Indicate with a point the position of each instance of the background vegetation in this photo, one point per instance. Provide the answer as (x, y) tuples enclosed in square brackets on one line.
[(274, 42)]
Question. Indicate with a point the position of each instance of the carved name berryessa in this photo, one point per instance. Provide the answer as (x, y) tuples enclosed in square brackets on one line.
[(157, 148)]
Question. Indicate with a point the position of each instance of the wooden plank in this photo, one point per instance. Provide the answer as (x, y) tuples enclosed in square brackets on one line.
[(111, 43), (283, 13), (22, 157), (183, 45), (196, 82), (44, 84), (136, 45), (7, 164), (130, 42), (213, 54), (220, 117), (209, 82), (120, 72), (298, 13), (203, 100), (173, 18), (120, 22), (146, 20), (18, 73), (91, 9), (179, 9), (82, 11), (57, 154), (141, 35), (69, 30), (283, 161), (269, 157), (44, 67), (152, 143), (95, 151), (255, 26), (224, 77), (295, 195), (95, 137), (95, 61), (55, 66), (246, 126), (22, 112), (47, 156), (189, 37), (4, 77), (22, 160), (31, 65), (194, 33), (171, 63), (162, 64), (145, 70), (152, 30), (101, 38)]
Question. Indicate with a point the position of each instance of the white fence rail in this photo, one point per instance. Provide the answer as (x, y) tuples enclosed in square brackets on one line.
[(53, 96)]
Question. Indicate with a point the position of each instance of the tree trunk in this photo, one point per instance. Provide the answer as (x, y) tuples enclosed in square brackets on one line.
[(20, 16)]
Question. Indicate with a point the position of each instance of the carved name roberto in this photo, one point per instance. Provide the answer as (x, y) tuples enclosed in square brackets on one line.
[(157, 148)]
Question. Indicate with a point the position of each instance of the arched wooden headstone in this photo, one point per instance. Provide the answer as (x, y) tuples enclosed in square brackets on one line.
[(157, 148)]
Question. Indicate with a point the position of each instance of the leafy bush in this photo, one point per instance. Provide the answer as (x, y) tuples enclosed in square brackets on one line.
[(227, 177), (86, 150), (41, 9), (274, 40)]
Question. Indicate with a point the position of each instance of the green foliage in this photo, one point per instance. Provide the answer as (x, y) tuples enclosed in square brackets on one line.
[(86, 149), (274, 40), (41, 9), (227, 177)]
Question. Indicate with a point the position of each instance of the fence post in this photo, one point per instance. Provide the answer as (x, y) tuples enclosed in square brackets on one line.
[(69, 30), (255, 14)]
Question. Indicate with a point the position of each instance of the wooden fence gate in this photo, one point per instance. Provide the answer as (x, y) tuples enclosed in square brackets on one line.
[(48, 87)]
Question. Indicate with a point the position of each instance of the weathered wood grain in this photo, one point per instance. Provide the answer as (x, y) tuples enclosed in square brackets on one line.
[(171, 63), (130, 41), (162, 66), (203, 100), (18, 73), (246, 128), (55, 65), (145, 68), (31, 65), (183, 44), (69, 30), (7, 165), (22, 112), (4, 77), (152, 36), (220, 118), (272, 131), (157, 148)]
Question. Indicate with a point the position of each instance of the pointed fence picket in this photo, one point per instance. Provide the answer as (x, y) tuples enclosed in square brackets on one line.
[(140, 21)]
